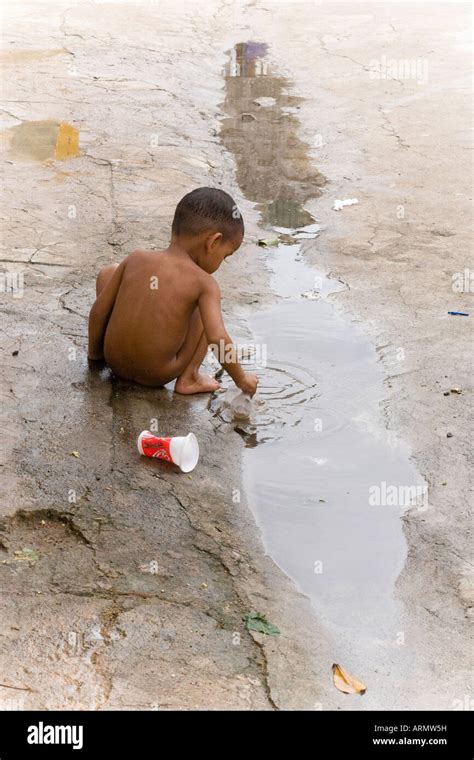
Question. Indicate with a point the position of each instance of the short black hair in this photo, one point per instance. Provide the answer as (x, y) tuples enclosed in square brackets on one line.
[(208, 208)]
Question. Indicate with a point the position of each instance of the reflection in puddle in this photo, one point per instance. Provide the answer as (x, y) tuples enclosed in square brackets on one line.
[(41, 140), (273, 168), (318, 441)]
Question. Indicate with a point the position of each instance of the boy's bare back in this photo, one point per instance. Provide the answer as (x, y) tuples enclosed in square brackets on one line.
[(158, 311), (157, 295)]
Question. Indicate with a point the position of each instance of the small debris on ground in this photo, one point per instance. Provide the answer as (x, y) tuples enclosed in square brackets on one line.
[(289, 235), (27, 555), (255, 621), (338, 205), (345, 682), (312, 295)]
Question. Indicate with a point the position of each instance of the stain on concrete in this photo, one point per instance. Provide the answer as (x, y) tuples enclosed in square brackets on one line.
[(42, 140)]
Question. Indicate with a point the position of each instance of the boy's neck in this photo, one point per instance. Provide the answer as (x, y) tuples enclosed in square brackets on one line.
[(186, 247)]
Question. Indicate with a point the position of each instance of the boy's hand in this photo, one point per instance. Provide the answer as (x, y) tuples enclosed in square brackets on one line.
[(248, 384)]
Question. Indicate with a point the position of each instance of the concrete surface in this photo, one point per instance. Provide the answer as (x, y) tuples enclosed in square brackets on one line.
[(91, 623)]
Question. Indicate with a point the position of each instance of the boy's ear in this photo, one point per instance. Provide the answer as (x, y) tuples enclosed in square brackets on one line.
[(212, 240)]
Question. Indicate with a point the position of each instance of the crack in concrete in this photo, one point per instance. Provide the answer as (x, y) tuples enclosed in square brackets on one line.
[(390, 128), (216, 556), (353, 60), (17, 688), (29, 516), (117, 228)]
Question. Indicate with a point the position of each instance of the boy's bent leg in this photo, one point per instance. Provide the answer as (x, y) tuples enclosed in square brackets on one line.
[(104, 276), (190, 357), (97, 318)]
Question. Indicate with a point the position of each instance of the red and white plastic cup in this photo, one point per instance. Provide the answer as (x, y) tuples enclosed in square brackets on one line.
[(182, 450)]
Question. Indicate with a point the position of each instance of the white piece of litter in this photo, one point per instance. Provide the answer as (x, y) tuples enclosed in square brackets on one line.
[(300, 233), (305, 235), (340, 204), (309, 228), (284, 230)]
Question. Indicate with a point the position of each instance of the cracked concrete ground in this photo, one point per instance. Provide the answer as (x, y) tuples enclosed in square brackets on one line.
[(92, 623)]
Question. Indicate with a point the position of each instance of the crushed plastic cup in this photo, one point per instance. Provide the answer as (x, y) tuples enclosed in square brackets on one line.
[(239, 403), (182, 450)]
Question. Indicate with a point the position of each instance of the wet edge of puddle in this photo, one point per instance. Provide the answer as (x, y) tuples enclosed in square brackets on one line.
[(327, 482)]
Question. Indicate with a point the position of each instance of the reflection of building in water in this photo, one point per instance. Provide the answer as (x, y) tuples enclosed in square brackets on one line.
[(247, 60), (273, 167)]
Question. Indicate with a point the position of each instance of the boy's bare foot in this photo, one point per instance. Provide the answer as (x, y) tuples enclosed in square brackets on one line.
[(196, 383)]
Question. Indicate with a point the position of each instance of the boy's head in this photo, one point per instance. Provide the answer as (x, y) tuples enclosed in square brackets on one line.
[(210, 220)]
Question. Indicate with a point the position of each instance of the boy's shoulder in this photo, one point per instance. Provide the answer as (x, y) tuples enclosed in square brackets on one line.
[(140, 257), (186, 270), (140, 253)]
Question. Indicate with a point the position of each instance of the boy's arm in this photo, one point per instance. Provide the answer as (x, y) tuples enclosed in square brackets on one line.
[(216, 334), (100, 314)]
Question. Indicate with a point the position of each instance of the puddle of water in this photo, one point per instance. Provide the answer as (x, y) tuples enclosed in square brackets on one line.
[(323, 448), (40, 140), (317, 449), (273, 168)]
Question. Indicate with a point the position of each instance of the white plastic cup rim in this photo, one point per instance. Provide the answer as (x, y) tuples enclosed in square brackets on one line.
[(139, 441), (184, 451)]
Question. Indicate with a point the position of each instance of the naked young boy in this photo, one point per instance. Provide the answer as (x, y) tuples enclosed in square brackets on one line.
[(157, 312)]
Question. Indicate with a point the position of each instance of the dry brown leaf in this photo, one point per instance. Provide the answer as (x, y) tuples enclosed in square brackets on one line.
[(346, 683)]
